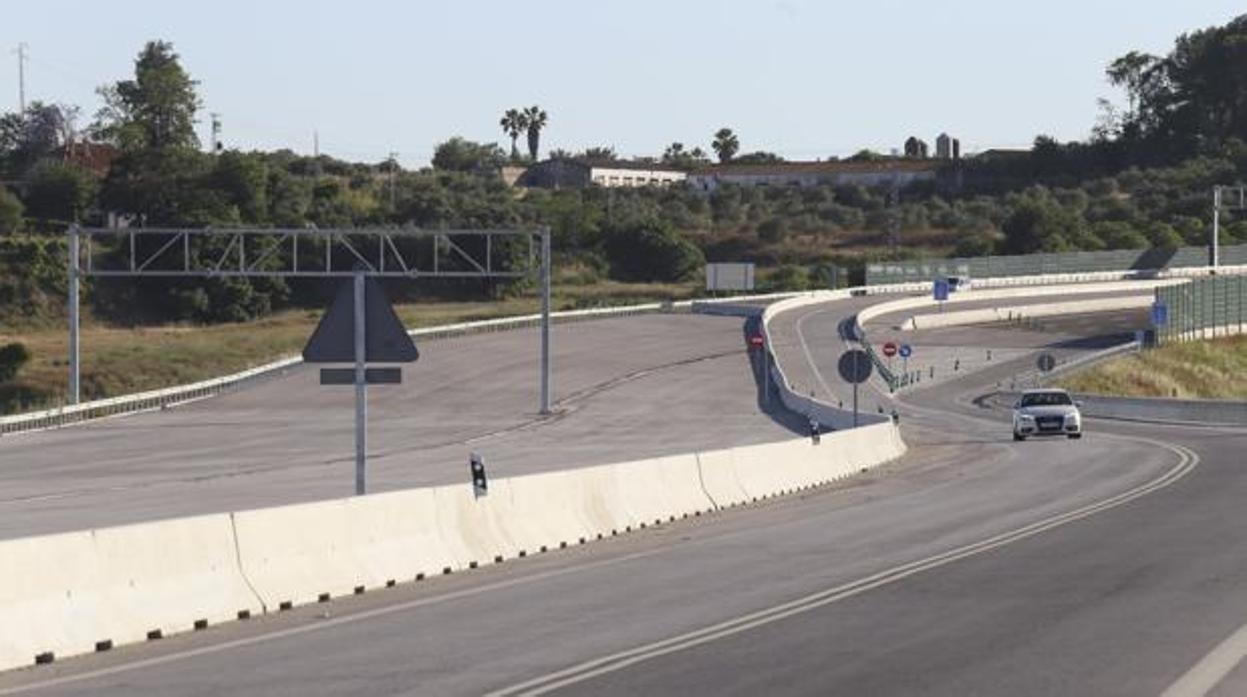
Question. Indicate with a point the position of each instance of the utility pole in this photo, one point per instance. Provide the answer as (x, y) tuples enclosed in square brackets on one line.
[(215, 142), (393, 173), (21, 75)]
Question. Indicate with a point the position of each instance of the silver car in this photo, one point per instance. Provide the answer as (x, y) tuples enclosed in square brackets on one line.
[(1048, 412)]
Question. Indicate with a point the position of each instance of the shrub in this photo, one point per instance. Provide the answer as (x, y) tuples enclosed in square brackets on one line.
[(12, 357)]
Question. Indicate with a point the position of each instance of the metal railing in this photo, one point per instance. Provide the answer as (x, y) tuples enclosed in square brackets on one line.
[(1203, 308), (1138, 261)]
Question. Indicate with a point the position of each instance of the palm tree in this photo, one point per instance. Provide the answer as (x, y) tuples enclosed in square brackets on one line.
[(513, 124), (725, 144), (534, 120)]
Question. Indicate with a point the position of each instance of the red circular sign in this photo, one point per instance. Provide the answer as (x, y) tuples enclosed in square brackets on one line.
[(756, 340), (889, 349)]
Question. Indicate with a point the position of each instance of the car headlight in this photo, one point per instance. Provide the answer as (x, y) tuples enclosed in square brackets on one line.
[(1025, 417)]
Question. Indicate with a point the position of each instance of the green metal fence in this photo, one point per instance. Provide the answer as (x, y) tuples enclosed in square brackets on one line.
[(1203, 308), (1052, 263)]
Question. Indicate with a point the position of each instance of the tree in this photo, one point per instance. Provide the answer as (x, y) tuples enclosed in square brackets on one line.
[(676, 156), (648, 249), (604, 153), (460, 155), (513, 123), (10, 212), (243, 178), (725, 144), (534, 121), (1131, 72), (12, 357), (40, 132), (760, 157), (1039, 224), (154, 110), (59, 191)]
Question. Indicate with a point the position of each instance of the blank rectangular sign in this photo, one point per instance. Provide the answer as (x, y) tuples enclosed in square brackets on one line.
[(372, 376), (729, 276)]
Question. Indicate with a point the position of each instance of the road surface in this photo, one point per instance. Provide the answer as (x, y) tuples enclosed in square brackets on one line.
[(1114, 565)]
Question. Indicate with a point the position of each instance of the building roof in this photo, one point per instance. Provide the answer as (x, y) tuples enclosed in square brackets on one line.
[(827, 167), (95, 157), (616, 164)]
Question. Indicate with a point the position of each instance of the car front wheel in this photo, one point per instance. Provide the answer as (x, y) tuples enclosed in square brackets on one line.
[(1019, 436), (1075, 436)]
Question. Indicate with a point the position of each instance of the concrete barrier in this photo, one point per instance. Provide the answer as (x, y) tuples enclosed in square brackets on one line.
[(1017, 312), (79, 592)]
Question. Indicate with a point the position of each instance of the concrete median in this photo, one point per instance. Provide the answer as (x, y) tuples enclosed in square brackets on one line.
[(80, 592)]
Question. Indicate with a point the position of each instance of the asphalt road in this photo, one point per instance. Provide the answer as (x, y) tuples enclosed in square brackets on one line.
[(288, 439), (1113, 565)]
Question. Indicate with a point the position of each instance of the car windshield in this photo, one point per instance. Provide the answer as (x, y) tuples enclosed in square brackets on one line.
[(1046, 399)]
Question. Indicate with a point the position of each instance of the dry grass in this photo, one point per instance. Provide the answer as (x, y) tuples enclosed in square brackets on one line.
[(1214, 369), (119, 361)]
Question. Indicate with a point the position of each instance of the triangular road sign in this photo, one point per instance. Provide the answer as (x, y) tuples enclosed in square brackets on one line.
[(386, 339)]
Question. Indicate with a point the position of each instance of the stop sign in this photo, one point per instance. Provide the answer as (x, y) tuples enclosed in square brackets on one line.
[(889, 349)]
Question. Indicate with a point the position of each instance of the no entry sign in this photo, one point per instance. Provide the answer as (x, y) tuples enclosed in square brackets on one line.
[(889, 349)]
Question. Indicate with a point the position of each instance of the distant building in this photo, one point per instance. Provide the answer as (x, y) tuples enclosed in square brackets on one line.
[(97, 158), (943, 147), (511, 173), (1002, 153), (916, 148), (898, 172), (568, 173)]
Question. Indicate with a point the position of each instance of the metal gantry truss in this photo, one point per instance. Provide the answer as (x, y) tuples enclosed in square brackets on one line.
[(308, 253)]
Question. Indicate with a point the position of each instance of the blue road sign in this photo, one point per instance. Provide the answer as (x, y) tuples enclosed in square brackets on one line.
[(1160, 314), (940, 289), (906, 350)]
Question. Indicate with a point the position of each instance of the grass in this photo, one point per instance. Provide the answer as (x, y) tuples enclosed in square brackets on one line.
[(1215, 369), (118, 361)]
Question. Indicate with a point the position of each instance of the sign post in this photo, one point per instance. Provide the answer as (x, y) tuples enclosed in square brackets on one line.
[(905, 351), (889, 350), (1160, 314), (854, 367), (360, 327), (361, 387), (939, 290)]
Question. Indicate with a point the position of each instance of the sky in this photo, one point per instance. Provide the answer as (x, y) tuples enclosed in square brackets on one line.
[(802, 78)]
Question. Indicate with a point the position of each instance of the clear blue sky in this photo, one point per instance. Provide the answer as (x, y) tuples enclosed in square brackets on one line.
[(804, 78)]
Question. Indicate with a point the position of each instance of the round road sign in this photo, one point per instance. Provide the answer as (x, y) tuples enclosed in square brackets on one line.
[(854, 366), (889, 349), (1046, 362), (906, 351)]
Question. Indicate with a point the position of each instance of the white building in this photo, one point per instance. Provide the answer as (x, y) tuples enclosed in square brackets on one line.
[(578, 174), (886, 172)]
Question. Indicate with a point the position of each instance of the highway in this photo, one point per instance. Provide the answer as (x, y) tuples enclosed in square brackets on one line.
[(288, 439), (1114, 565)]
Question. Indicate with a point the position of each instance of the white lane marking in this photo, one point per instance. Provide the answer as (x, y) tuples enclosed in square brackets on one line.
[(1187, 461), (322, 624), (1211, 669), (809, 358)]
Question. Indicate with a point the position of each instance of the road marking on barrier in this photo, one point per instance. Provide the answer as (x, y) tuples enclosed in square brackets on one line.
[(1210, 670), (1187, 461)]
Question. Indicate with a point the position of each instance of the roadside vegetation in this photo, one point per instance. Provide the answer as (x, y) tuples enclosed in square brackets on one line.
[(1215, 369)]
